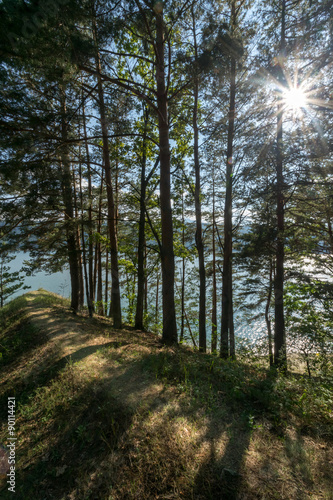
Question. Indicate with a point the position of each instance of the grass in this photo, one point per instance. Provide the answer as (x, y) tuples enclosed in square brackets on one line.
[(112, 415)]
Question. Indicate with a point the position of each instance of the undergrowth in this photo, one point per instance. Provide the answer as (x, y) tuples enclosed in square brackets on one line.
[(136, 420), (261, 392)]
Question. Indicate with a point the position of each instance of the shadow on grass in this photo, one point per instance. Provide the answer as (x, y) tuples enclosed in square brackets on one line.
[(77, 445), (76, 439), (87, 441), (26, 388)]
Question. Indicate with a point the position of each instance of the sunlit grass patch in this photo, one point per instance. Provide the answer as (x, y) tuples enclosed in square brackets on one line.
[(124, 417), (17, 334), (48, 299)]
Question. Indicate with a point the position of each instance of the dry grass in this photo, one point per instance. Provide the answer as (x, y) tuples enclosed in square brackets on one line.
[(113, 415)]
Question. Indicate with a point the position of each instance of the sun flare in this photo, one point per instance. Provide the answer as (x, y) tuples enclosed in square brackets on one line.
[(295, 98)]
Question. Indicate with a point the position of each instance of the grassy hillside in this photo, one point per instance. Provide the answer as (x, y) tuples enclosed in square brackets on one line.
[(104, 414)]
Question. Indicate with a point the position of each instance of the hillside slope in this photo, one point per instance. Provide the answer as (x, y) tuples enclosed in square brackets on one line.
[(104, 414)]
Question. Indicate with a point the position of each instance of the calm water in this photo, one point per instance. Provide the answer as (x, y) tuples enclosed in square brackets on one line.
[(60, 283), (57, 282)]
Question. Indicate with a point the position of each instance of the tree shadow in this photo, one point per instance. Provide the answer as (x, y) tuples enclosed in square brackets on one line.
[(298, 458), (81, 438), (84, 448)]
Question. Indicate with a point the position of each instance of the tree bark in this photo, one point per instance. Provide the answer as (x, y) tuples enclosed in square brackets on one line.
[(214, 297), (169, 335), (267, 318), (115, 288), (106, 287), (227, 310), (141, 245), (145, 305), (183, 274), (78, 241), (197, 198), (84, 254), (90, 222), (67, 194), (99, 296), (156, 299), (231, 317), (280, 337)]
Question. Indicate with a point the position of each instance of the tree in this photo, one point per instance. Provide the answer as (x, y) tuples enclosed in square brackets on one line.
[(227, 334), (115, 292), (10, 281)]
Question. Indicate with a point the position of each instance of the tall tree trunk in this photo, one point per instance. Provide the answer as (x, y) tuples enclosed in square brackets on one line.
[(78, 240), (90, 222), (169, 335), (214, 297), (227, 311), (231, 317), (197, 197), (116, 193), (267, 317), (98, 250), (1, 284), (99, 296), (156, 300), (95, 270), (98, 234), (67, 194), (85, 273), (106, 288), (280, 336), (115, 288), (145, 304), (182, 326), (142, 220), (84, 254)]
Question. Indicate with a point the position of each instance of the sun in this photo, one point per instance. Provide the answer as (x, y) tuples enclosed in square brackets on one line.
[(295, 98)]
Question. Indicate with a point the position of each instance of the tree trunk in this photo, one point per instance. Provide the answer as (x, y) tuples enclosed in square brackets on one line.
[(1, 285), (98, 235), (78, 241), (267, 318), (227, 310), (90, 232), (99, 296), (214, 297), (231, 318), (145, 305), (67, 194), (106, 288), (141, 245), (169, 335), (182, 326), (197, 198), (156, 300), (84, 254), (115, 288), (279, 337)]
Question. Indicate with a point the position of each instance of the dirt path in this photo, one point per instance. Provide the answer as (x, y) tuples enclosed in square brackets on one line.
[(107, 414), (64, 338)]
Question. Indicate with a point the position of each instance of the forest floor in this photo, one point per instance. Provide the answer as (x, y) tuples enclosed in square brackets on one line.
[(109, 414)]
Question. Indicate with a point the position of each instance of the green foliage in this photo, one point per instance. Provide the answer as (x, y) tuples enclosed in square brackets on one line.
[(129, 270), (310, 323), (261, 393), (141, 417), (10, 281), (17, 335)]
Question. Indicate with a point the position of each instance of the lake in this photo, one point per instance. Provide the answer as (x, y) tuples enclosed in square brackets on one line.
[(57, 282), (60, 283)]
